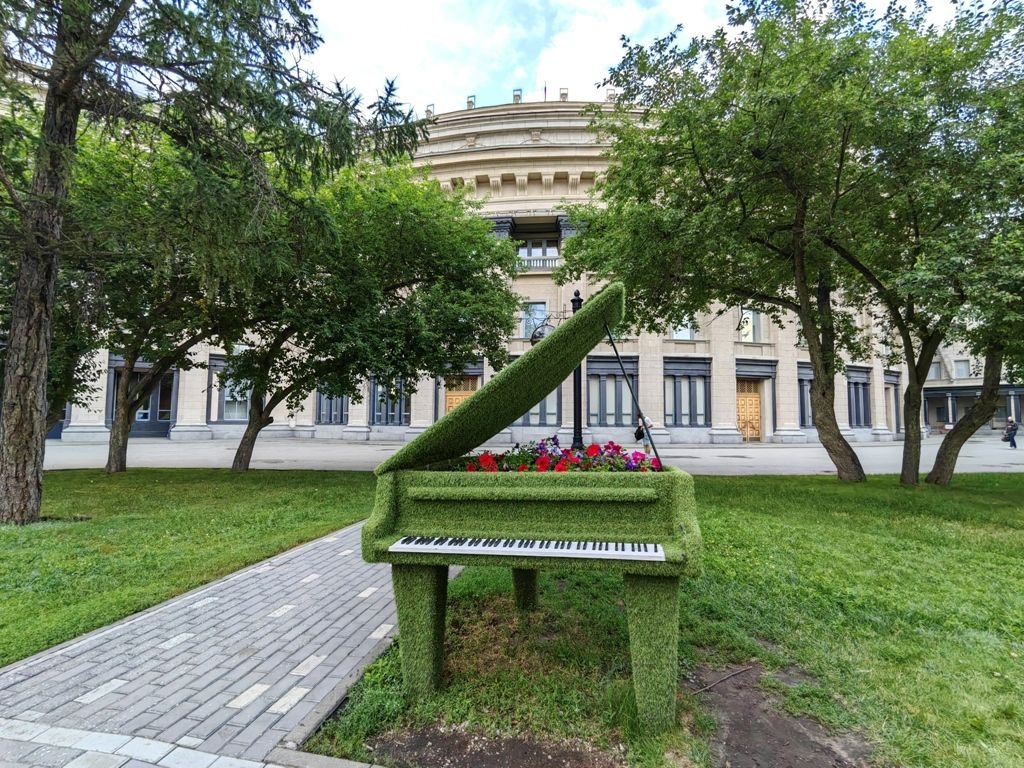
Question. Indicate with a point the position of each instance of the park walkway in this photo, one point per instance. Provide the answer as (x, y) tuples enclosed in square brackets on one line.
[(231, 675)]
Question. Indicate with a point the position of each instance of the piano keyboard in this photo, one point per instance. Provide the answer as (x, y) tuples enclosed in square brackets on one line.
[(462, 545)]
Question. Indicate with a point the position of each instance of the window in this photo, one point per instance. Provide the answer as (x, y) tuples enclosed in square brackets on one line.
[(935, 372), (388, 410), (750, 325), (164, 398), (539, 253), (687, 392), (236, 402), (961, 369), (684, 333), (331, 410), (535, 314), (858, 392), (546, 413), (609, 402), (804, 377)]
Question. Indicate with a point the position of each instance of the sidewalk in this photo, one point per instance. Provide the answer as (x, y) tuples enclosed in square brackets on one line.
[(980, 454), (236, 674), (232, 675)]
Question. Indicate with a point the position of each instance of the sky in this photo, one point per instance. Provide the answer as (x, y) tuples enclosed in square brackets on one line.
[(443, 51)]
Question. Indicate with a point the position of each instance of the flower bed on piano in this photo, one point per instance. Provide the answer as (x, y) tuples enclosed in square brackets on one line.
[(548, 456)]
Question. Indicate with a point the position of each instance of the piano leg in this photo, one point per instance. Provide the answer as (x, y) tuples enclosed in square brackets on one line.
[(652, 611), (421, 595), (524, 585)]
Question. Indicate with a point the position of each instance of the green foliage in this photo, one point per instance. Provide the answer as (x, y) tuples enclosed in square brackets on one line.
[(181, 529), (379, 274), (515, 389), (815, 159)]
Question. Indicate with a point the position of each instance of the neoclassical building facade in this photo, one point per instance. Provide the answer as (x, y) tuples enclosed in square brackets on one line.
[(731, 378)]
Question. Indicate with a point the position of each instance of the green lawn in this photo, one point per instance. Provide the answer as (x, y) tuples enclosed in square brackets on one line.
[(152, 534), (907, 605)]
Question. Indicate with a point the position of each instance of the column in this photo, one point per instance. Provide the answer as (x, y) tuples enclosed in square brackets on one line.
[(192, 416), (88, 422), (651, 389), (358, 427), (723, 393), (787, 404), (842, 407), (422, 405), (880, 431)]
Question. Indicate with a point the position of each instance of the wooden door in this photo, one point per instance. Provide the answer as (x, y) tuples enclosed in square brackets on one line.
[(748, 409), (457, 389)]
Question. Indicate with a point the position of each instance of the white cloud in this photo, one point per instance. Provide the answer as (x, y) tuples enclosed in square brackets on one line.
[(444, 51)]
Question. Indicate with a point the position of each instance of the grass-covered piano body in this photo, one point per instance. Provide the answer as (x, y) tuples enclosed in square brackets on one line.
[(642, 524)]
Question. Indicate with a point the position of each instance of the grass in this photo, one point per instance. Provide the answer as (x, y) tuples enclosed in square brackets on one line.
[(906, 605), (152, 534)]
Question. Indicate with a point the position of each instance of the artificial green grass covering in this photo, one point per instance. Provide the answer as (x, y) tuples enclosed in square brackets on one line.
[(654, 507), (514, 390)]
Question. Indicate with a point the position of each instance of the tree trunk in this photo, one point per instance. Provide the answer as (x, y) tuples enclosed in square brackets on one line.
[(975, 418), (120, 427), (243, 454), (846, 461), (24, 402)]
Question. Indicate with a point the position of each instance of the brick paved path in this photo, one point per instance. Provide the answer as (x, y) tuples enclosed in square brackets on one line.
[(216, 678)]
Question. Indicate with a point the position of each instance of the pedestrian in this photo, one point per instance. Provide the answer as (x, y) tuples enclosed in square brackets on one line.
[(1010, 433), (643, 432)]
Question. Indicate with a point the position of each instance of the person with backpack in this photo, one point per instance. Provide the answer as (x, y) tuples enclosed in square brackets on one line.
[(643, 433)]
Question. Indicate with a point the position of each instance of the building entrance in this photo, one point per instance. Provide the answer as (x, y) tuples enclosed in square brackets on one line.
[(748, 409), (457, 389)]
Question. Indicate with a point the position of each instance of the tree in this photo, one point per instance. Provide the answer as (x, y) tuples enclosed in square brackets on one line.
[(139, 217), (791, 162), (384, 275), (215, 76)]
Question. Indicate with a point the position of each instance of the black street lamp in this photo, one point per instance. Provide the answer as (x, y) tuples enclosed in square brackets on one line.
[(577, 389)]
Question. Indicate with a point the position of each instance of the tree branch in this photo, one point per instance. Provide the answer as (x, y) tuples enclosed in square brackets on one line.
[(8, 185)]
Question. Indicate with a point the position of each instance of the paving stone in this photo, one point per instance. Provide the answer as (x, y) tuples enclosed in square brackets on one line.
[(52, 757), (181, 757), (97, 760), (149, 750), (18, 730), (13, 750), (102, 742)]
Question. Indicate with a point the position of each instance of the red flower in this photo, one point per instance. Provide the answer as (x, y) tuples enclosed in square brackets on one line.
[(562, 466), (655, 464), (522, 468), (593, 449), (487, 461), (543, 462), (471, 467), (574, 458)]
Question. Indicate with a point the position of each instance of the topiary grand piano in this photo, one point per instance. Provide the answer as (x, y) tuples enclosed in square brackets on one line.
[(643, 525)]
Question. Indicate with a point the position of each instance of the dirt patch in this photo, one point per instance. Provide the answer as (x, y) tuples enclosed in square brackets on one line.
[(753, 732), (458, 748)]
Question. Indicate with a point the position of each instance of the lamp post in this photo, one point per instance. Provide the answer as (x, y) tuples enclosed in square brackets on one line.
[(577, 389)]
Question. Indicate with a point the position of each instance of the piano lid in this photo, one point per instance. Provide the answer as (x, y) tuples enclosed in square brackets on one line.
[(517, 388)]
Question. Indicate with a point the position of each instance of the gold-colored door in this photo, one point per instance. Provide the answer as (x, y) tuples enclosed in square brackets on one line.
[(748, 409), (457, 389)]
